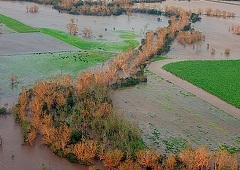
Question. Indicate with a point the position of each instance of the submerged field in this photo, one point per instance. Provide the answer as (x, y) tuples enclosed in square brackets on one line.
[(221, 78), (32, 67), (44, 58)]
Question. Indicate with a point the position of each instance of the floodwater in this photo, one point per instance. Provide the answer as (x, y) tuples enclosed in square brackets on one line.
[(216, 31), (50, 18), (13, 155)]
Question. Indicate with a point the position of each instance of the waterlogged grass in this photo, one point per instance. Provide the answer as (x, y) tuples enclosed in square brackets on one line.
[(16, 25), (128, 34), (128, 42), (221, 78), (30, 68), (175, 145)]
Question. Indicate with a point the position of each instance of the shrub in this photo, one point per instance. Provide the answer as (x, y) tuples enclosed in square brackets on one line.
[(75, 137), (113, 158), (71, 157), (148, 158), (85, 151), (3, 110), (227, 51)]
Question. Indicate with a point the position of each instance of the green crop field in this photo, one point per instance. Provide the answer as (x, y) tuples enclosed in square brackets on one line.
[(221, 78)]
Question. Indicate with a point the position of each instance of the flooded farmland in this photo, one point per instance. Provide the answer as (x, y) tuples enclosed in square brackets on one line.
[(13, 155)]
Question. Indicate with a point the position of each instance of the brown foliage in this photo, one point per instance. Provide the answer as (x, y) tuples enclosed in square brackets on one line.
[(199, 158), (148, 158), (23, 105), (113, 158), (225, 160), (213, 51), (87, 32), (170, 162), (188, 37), (31, 136), (129, 164), (72, 27), (227, 51), (85, 151), (32, 8)]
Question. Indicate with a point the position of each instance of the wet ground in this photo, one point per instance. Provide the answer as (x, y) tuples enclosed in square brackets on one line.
[(21, 43)]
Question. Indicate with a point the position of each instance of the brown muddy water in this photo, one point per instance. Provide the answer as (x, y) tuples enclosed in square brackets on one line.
[(215, 30), (14, 156), (50, 18)]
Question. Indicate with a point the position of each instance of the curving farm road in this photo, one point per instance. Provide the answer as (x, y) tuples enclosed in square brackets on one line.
[(156, 67)]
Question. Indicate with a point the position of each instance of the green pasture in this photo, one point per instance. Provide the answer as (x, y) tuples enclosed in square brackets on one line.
[(221, 78)]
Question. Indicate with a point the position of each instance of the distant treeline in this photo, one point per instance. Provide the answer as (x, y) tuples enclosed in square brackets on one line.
[(97, 8), (147, 1)]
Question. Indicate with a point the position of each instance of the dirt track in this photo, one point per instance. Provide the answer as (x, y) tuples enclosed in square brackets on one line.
[(156, 68)]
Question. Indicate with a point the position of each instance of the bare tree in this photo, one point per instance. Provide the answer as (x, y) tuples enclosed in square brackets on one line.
[(32, 8), (13, 79), (72, 27), (87, 32)]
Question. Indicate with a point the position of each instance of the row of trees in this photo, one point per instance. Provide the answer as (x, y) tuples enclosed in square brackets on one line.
[(72, 28), (101, 8), (189, 37), (216, 13)]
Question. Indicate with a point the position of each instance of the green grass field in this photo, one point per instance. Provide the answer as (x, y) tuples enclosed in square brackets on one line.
[(221, 78), (16, 25)]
